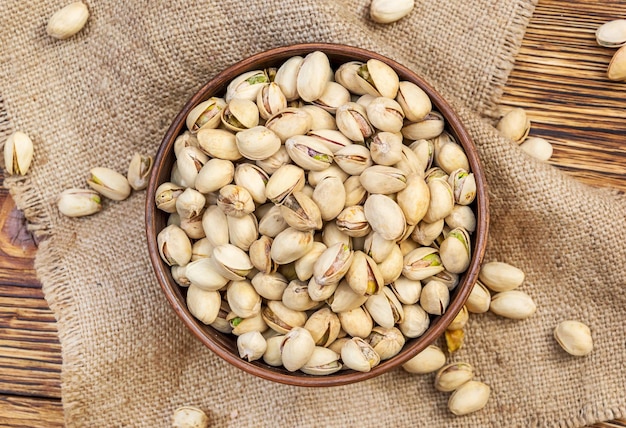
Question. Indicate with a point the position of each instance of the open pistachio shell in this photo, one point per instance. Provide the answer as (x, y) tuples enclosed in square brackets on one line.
[(324, 326), (270, 100), (383, 179), (385, 114), (289, 122), (139, 170), (430, 126), (297, 348), (304, 265), (363, 276), (384, 216), (455, 251), (246, 85), (291, 244), (301, 212), (385, 308), (346, 75), (280, 318), (231, 262), (174, 246), (286, 180), (286, 77), (353, 159), (612, 34), (353, 222), (422, 263), (323, 361), (378, 79), (207, 114), (429, 360), (109, 183), (387, 342), (83, 202), (359, 355), (353, 122), (257, 143), (414, 101), (203, 304), (309, 153), (332, 264)]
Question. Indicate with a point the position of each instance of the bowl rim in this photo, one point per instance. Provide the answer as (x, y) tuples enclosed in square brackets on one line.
[(212, 338)]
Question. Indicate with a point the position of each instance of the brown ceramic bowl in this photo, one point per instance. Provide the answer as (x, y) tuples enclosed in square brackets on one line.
[(224, 345)]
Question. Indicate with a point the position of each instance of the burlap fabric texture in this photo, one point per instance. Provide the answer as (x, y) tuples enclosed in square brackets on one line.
[(112, 90)]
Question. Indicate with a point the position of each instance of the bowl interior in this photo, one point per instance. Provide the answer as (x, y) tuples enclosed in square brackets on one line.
[(225, 345)]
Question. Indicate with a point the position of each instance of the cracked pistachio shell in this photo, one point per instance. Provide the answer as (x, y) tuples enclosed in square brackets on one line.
[(240, 114), (386, 148), (192, 227), (203, 304), (462, 216), (353, 159), (68, 21), (414, 199), (435, 297), (332, 138), (185, 139), (323, 361), (109, 183), (272, 355), (386, 12), (286, 180), (391, 267), (272, 222), (574, 337), (313, 75), (385, 114), (231, 262), (286, 77), (455, 251), (240, 325), (297, 348), (359, 355), (274, 162), (451, 157), (479, 299), (416, 321), (429, 127), (353, 122), (407, 290), (441, 200), (253, 179), (203, 274), (296, 296), (174, 246), (452, 376), (334, 95), (514, 125), (320, 293), (378, 79), (269, 285), (189, 162), (179, 275), (425, 233), (385, 308), (513, 304), (320, 118), (346, 76), (354, 190), (387, 342), (330, 196), (259, 252), (165, 196), (332, 264), (537, 147), (612, 34), (242, 231), (422, 263), (289, 122), (139, 170), (18, 153), (469, 397), (189, 417), (429, 360), (235, 201), (257, 143), (499, 276), (414, 101), (384, 216), (291, 244), (463, 184), (304, 265), (246, 86), (214, 175), (215, 225), (352, 221), (251, 345), (324, 326), (308, 152), (356, 322), (243, 299), (270, 100), (190, 204), (383, 179), (363, 276), (79, 202), (345, 298), (207, 114), (219, 143), (377, 247), (332, 235), (451, 280), (425, 152)]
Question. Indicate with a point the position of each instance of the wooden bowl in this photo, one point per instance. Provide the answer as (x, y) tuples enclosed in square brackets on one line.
[(225, 345)]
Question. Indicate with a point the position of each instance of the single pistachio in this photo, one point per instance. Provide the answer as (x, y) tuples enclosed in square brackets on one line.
[(461, 216), (68, 21), (323, 361), (286, 180), (109, 183), (479, 299), (320, 293), (203, 305), (218, 143), (414, 101), (514, 125), (278, 159), (304, 265), (425, 233), (297, 348), (385, 114), (251, 345), (429, 360), (345, 298), (286, 77), (332, 138), (18, 153), (203, 274), (441, 199), (189, 417), (612, 34), (272, 222), (190, 203), (315, 177), (270, 100), (166, 195), (235, 201), (386, 148), (289, 122), (192, 227), (179, 275), (272, 355), (391, 268), (385, 12), (186, 139), (455, 251), (406, 290), (257, 142), (189, 162), (346, 76), (330, 196), (240, 114), (383, 179), (435, 297), (260, 258), (430, 126), (385, 308), (301, 212), (174, 246), (378, 79), (309, 153), (537, 147), (207, 114), (324, 326), (353, 122), (215, 226), (296, 296), (242, 231), (79, 202), (215, 174), (334, 95), (384, 216), (313, 75), (463, 184), (353, 222), (241, 326), (353, 159), (139, 171), (574, 337), (320, 118), (500, 276), (332, 264), (387, 342), (247, 85), (414, 199), (452, 376), (451, 157), (269, 285), (363, 276), (513, 304), (469, 397), (356, 322), (243, 299), (291, 244), (377, 247), (422, 263), (359, 355), (231, 262)]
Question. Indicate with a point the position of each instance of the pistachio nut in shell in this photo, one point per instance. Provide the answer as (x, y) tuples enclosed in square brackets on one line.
[(574, 337), (346, 75), (455, 251), (270, 285), (430, 126), (463, 184), (406, 290), (202, 274), (272, 222), (240, 114), (139, 170), (174, 246), (334, 95), (243, 299), (537, 147), (500, 276), (235, 201), (304, 265), (284, 181), (324, 326), (301, 212), (377, 247), (231, 262), (270, 100), (315, 177), (469, 397), (289, 122), (424, 151), (385, 308), (297, 348), (18, 153), (513, 304), (189, 417), (218, 143), (514, 125), (186, 139), (332, 138), (383, 179), (281, 318), (479, 299), (251, 345), (207, 114), (330, 197), (313, 75), (612, 34), (450, 157), (385, 114), (68, 21), (460, 320), (353, 122), (422, 263), (435, 297), (308, 152), (356, 322), (386, 148), (291, 244), (429, 360), (378, 79), (79, 202), (363, 276), (203, 305), (451, 376), (320, 293), (320, 118), (257, 142), (190, 203), (215, 226), (352, 221), (353, 159), (414, 199), (359, 355), (426, 233), (414, 101), (253, 179), (441, 200), (332, 264), (345, 298), (461, 216), (165, 196), (387, 342), (296, 296), (386, 12), (260, 258), (323, 361), (272, 355), (287, 75), (109, 183), (240, 325), (391, 268), (246, 86)]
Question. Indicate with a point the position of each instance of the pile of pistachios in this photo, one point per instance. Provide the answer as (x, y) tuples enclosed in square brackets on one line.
[(612, 34)]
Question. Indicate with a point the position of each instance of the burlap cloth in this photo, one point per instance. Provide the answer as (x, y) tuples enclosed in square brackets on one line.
[(112, 90)]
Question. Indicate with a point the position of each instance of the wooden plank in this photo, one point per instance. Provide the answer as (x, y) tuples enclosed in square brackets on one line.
[(30, 412)]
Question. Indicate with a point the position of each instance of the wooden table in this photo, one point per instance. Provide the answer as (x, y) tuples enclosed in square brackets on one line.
[(559, 78)]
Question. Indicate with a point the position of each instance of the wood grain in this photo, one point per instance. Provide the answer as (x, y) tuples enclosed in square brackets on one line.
[(559, 78)]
